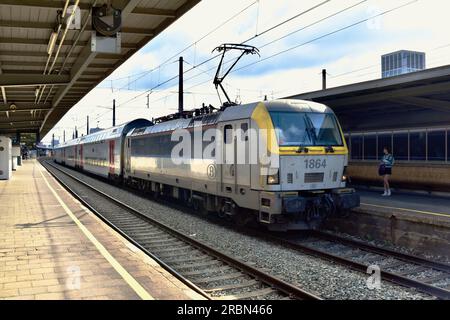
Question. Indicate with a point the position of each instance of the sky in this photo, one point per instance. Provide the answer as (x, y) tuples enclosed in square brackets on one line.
[(345, 37)]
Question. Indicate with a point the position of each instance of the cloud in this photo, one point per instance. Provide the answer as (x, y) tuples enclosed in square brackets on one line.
[(349, 56)]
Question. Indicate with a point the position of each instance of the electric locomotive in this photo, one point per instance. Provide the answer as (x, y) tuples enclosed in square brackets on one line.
[(301, 185), (280, 163)]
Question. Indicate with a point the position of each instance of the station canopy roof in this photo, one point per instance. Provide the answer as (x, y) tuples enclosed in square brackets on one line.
[(419, 99), (26, 27)]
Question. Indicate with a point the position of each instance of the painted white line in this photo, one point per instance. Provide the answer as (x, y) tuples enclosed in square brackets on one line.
[(140, 291), (408, 210)]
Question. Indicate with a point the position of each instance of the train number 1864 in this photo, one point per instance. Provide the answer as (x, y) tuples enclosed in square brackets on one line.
[(315, 163)]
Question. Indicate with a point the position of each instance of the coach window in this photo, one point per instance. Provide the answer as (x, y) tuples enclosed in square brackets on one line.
[(436, 146), (384, 140), (370, 147), (400, 150), (418, 146), (357, 147), (228, 136)]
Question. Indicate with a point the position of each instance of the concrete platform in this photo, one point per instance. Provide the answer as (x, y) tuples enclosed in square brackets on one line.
[(415, 221), (51, 247), (415, 207)]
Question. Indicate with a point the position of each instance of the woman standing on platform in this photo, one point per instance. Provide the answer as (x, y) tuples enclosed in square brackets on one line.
[(385, 170)]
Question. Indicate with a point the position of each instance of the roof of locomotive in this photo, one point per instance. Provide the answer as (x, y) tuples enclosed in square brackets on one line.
[(232, 113), (246, 111), (290, 105), (68, 143)]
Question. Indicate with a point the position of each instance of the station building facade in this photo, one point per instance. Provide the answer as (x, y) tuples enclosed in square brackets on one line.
[(409, 113)]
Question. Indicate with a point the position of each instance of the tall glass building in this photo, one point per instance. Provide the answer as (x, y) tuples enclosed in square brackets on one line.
[(401, 62)]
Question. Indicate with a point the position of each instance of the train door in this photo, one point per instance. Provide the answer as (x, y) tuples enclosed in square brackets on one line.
[(81, 156), (128, 156), (243, 153), (228, 175), (76, 157), (111, 157)]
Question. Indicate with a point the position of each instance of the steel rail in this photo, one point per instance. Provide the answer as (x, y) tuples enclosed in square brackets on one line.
[(361, 267), (123, 234), (440, 266), (267, 279)]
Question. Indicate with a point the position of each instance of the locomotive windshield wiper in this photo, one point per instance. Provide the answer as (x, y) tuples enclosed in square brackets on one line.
[(329, 149), (310, 130)]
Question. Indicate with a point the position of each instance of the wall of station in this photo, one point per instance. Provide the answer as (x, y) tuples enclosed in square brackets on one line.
[(422, 157), (429, 145)]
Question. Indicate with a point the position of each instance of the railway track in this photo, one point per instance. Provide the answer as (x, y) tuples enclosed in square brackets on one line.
[(211, 273), (396, 267), (356, 255)]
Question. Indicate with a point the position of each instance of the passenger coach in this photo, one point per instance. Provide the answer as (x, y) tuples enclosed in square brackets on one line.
[(100, 153)]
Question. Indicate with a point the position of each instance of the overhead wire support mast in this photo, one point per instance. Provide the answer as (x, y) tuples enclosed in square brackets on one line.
[(246, 49), (291, 48), (216, 56)]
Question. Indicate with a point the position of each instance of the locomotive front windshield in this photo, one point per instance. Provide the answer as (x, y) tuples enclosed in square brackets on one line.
[(306, 129)]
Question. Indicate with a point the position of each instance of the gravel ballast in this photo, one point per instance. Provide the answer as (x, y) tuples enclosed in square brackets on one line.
[(328, 280)]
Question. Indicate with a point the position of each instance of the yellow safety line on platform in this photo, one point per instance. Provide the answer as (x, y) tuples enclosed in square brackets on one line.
[(140, 291), (411, 210)]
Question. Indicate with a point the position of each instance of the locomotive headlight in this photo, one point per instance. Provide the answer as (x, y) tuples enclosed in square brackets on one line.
[(344, 175), (273, 178)]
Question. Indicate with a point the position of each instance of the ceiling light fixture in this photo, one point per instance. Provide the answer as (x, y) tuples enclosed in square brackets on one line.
[(52, 42)]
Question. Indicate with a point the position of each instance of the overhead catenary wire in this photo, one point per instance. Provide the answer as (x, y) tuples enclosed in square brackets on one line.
[(327, 34), (440, 47), (221, 25), (312, 40), (314, 23), (243, 42), (289, 34), (287, 20), (193, 44), (218, 55), (281, 52)]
